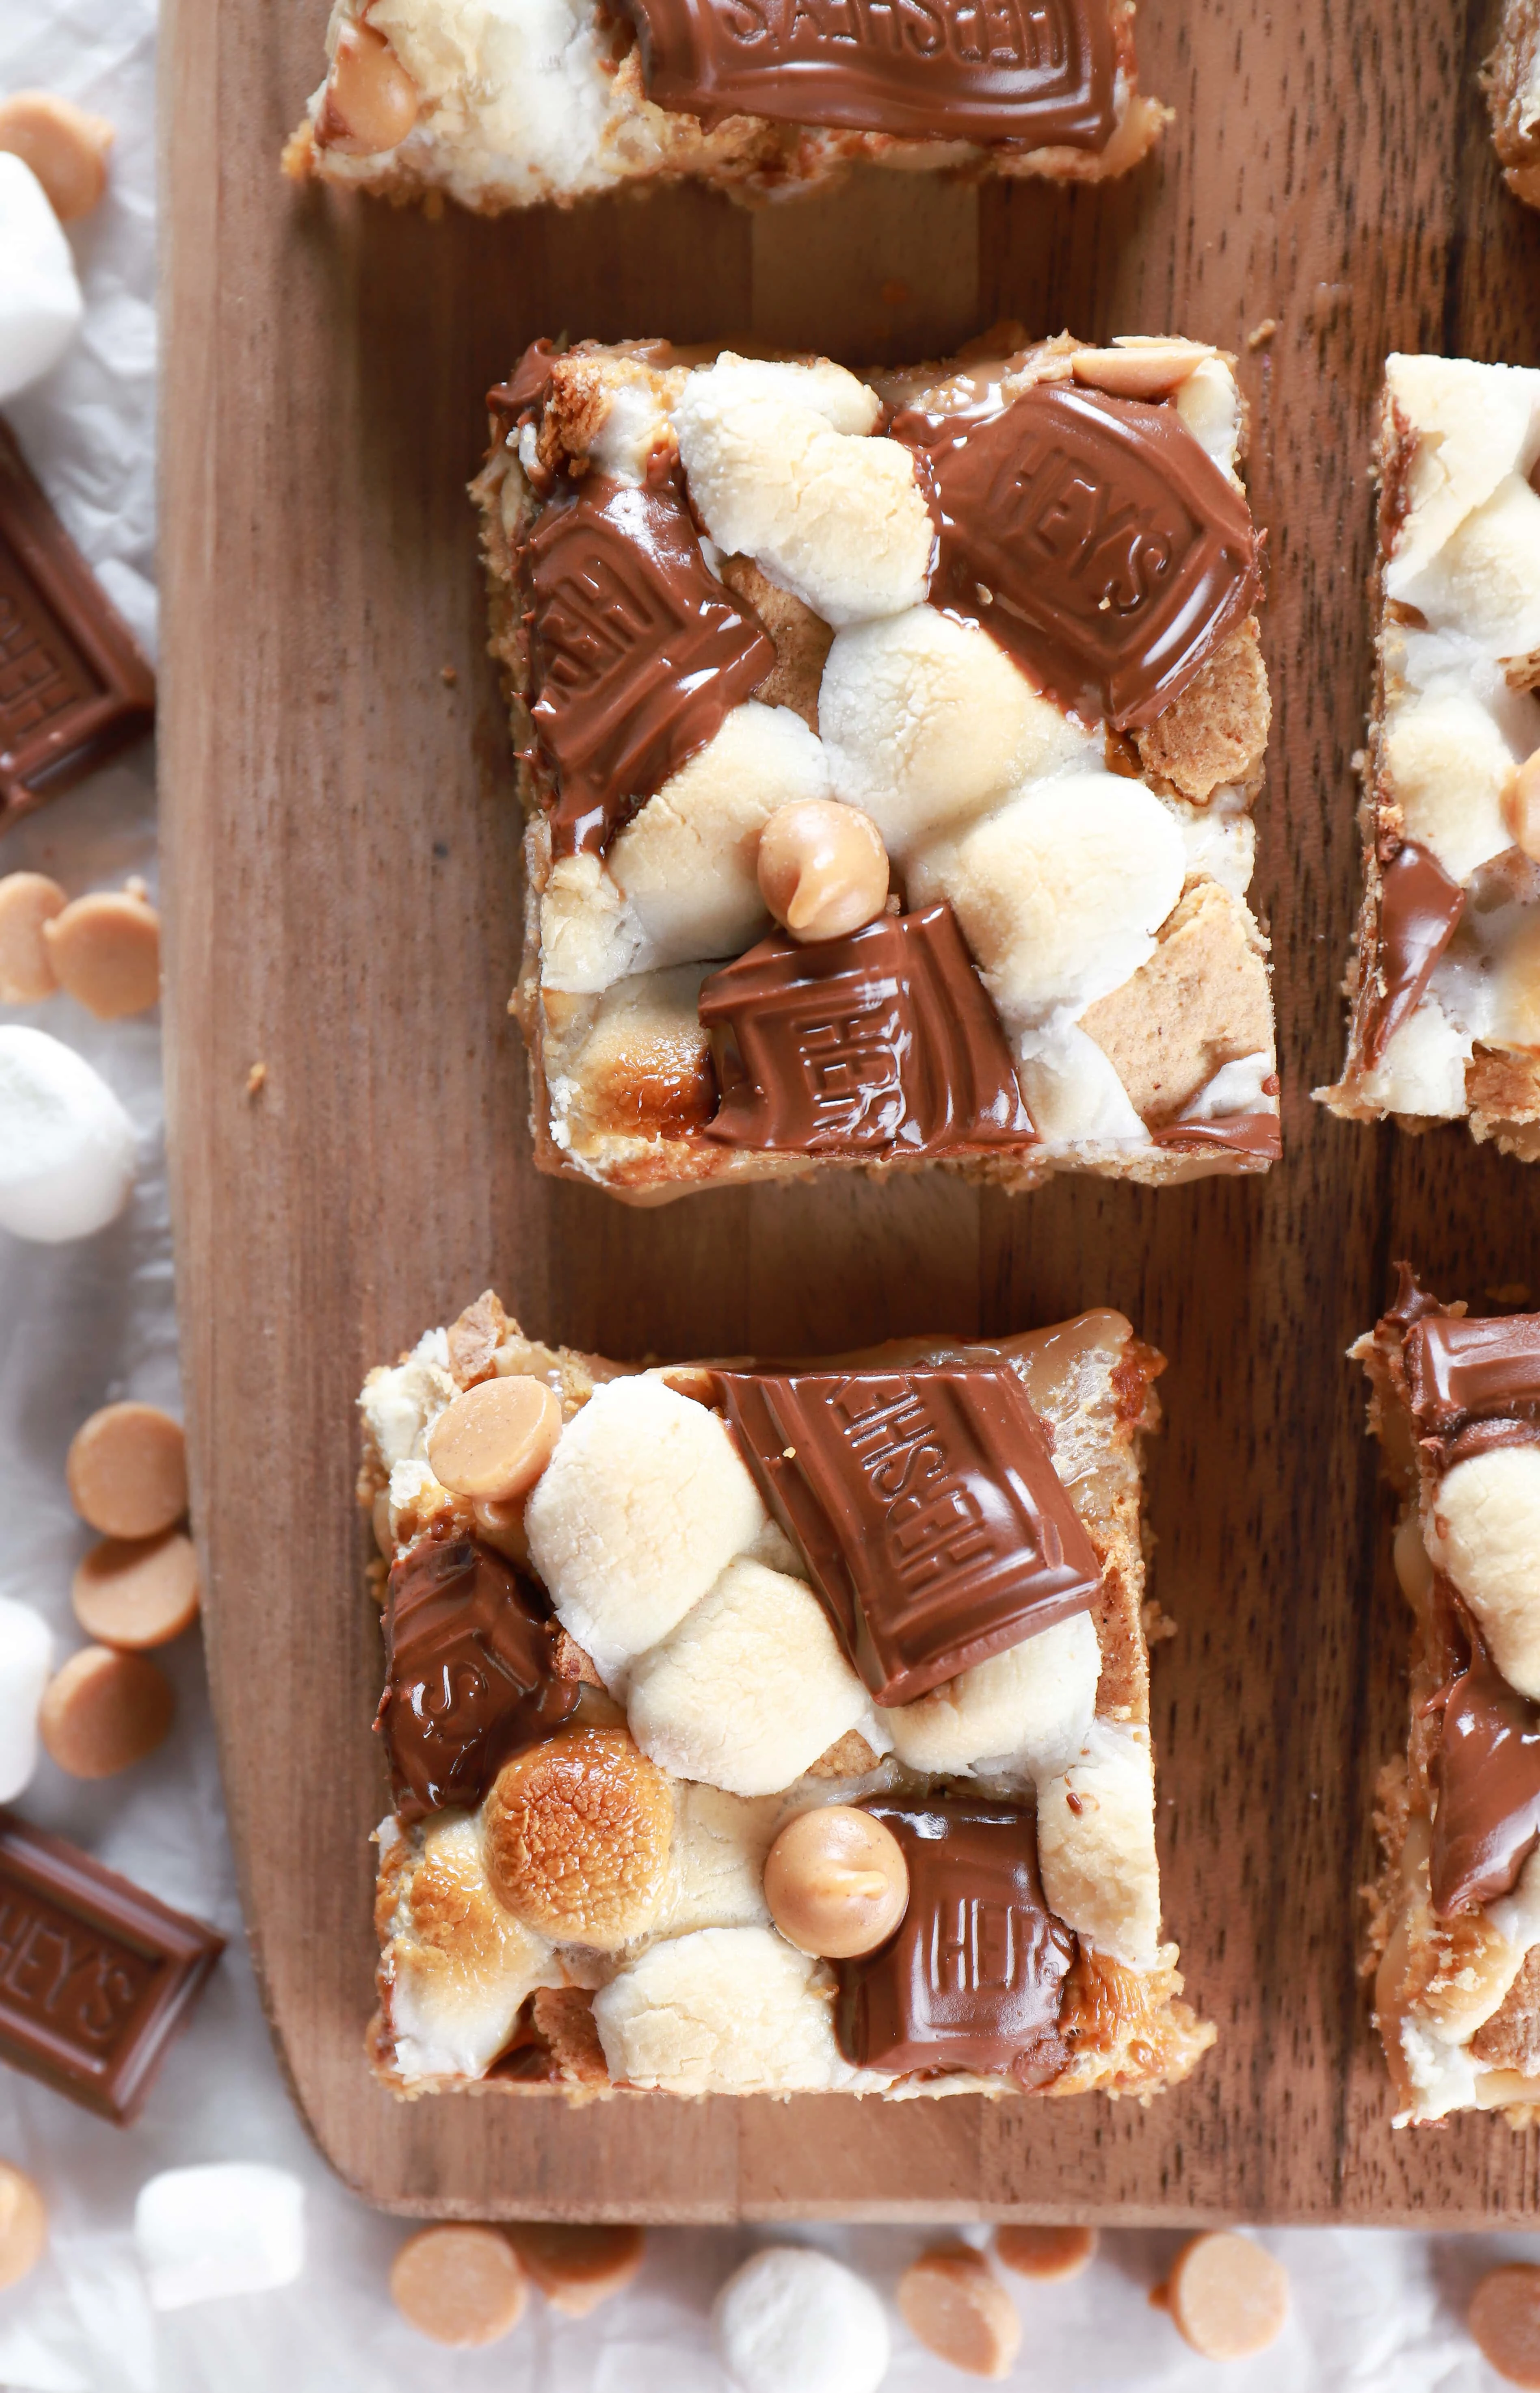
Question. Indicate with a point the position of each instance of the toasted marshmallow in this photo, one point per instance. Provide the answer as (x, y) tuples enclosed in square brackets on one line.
[(1096, 1845), (1029, 1709), (1450, 764), (231, 2226), (791, 2320), (458, 1965), (589, 935), (1485, 1533), (728, 2011)]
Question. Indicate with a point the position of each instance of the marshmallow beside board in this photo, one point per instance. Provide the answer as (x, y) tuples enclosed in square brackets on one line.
[(67, 1149), (40, 300)]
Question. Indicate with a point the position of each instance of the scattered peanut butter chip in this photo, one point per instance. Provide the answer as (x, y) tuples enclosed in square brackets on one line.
[(136, 1592), (126, 1471), (104, 1711), (836, 1881), (1259, 335), (106, 950), (458, 2285), (1505, 2321), (494, 1440), (952, 2303), (1047, 2253), (1228, 2296), (578, 2268), (370, 103), (257, 1079), (23, 2224), (448, 675), (65, 148), (27, 901)]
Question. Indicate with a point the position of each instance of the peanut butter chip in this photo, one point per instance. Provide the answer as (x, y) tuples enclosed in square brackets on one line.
[(1048, 2254), (1505, 2321), (126, 1471), (1140, 370), (823, 869), (458, 2285), (836, 1882), (27, 901), (65, 148), (952, 2303), (104, 1711), (23, 2224), (578, 2268), (106, 950), (493, 1442), (1228, 2296), (370, 103), (134, 1592), (577, 1835)]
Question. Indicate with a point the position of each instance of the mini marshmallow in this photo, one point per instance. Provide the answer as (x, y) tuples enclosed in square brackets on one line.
[(1476, 425), (1030, 1708), (66, 1143), (1449, 764), (461, 1966), (1422, 1069), (845, 403), (1210, 405), (791, 2320), (1096, 1844), (232, 2226), (1485, 1533), (1072, 1089), (589, 936), (40, 303), (400, 1405), (716, 1861), (26, 1660), (516, 97), (640, 1510), (1485, 580), (727, 2010)]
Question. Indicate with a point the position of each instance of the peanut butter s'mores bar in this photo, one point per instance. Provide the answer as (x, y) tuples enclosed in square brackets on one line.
[(1456, 1919), (888, 749), (1513, 90), (769, 1730), (506, 103), (1446, 984)]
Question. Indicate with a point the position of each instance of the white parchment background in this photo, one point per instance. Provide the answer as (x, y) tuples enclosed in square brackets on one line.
[(80, 1325)]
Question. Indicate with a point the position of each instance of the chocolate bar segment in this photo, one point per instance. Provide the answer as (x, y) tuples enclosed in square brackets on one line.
[(883, 1042), (73, 686), (96, 1975), (1419, 908), (1486, 1766), (1483, 1369), (926, 1507)]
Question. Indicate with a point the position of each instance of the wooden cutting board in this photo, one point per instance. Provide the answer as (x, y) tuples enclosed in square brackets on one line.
[(341, 839)]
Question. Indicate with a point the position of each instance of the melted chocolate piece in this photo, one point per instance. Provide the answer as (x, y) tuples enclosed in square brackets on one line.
[(882, 1043), (1487, 1772), (1037, 71), (975, 1976), (639, 652), (1418, 908), (470, 1675), (1246, 1134), (511, 401), (926, 1507), (1411, 1302), (1481, 1437), (1484, 1369), (1094, 537)]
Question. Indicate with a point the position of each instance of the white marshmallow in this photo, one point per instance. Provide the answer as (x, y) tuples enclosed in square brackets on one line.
[(638, 1512), (66, 1143), (846, 402), (1448, 764), (514, 94), (1485, 580), (1422, 1069), (1072, 1090), (400, 1404), (1485, 1533), (716, 1861), (728, 2011), (26, 1660), (924, 721), (1236, 1088), (1097, 1852), (1029, 1709), (1475, 424), (1210, 405), (231, 2227), (791, 2320), (588, 937), (40, 300), (750, 1687)]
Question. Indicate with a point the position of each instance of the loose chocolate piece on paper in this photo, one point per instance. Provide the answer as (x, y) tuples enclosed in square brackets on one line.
[(74, 686), (926, 1507), (640, 655), (973, 1978), (883, 1042), (471, 1676), (96, 1975), (1043, 74), (1419, 906), (1456, 1367), (1487, 1769), (1093, 537)]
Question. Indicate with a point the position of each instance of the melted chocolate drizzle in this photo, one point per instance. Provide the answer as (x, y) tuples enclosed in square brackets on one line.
[(1259, 1134), (1418, 908), (1487, 1772)]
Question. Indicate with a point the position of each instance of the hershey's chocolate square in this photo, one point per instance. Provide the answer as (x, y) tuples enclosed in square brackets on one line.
[(1482, 1369)]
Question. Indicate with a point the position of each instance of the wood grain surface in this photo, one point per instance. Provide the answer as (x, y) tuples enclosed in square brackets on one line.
[(341, 844)]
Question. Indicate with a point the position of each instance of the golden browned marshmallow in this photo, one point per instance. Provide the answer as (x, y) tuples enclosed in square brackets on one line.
[(106, 950), (493, 1442), (953, 2304), (823, 869), (1505, 2321), (1048, 2254), (578, 2268), (458, 2285), (1141, 370), (578, 1833), (23, 2224), (1522, 806), (65, 148), (1227, 2296), (27, 901), (126, 1471), (836, 1882), (134, 1592), (370, 101), (104, 1711)]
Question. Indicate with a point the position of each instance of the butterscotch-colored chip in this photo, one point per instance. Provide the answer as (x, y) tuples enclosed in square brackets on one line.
[(28, 900), (106, 950), (65, 148), (126, 1471), (458, 2285), (1141, 370), (1228, 2298), (823, 869), (104, 1711), (836, 1882), (370, 101), (1505, 2321), (136, 1592), (578, 1833), (23, 2224), (951, 2301), (494, 1440), (1050, 2254), (578, 2268)]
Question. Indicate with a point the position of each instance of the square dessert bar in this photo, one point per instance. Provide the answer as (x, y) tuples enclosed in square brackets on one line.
[(1513, 89), (507, 103), (888, 748), (1444, 986), (768, 1730), (1455, 1934)]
